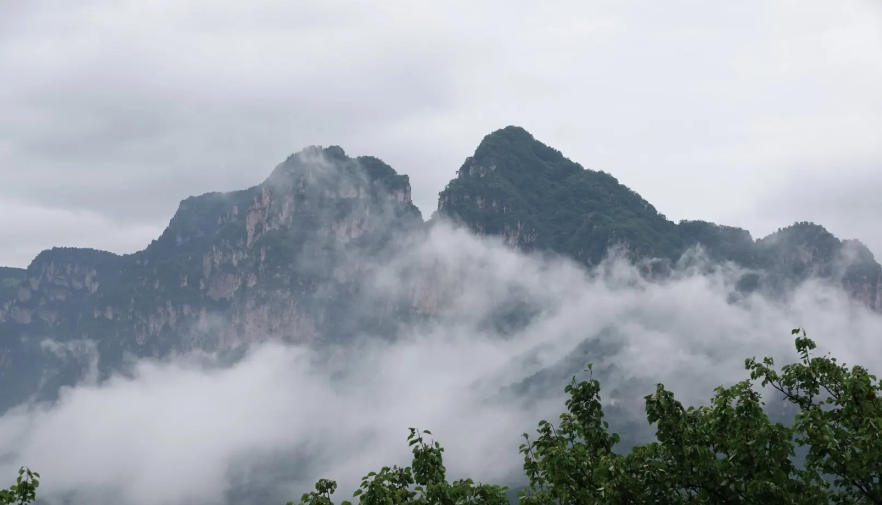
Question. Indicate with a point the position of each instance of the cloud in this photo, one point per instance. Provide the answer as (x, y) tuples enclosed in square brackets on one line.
[(185, 430), (108, 120), (122, 109), (848, 206), (27, 229)]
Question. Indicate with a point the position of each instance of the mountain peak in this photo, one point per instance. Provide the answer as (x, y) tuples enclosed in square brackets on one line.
[(515, 150), (302, 188), (510, 133), (535, 197), (331, 165), (309, 152)]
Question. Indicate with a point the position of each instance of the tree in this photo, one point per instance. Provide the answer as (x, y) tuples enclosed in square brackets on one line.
[(424, 482), (840, 419), (23, 491), (725, 453)]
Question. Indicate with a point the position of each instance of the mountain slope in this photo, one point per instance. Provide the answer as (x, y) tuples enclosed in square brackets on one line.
[(532, 195), (536, 199)]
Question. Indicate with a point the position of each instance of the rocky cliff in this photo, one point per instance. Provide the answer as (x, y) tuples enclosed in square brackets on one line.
[(273, 261), (282, 260)]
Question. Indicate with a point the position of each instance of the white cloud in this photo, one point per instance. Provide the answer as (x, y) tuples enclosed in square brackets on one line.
[(848, 206), (27, 229), (180, 431)]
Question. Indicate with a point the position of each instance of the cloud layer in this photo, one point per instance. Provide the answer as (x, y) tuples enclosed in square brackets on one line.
[(186, 430)]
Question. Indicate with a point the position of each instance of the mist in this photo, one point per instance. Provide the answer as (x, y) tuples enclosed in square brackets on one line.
[(188, 429)]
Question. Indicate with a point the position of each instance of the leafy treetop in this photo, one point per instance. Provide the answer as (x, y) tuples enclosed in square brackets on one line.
[(728, 452)]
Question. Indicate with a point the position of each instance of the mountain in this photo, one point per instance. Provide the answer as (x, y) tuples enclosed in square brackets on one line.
[(292, 258), (282, 260), (534, 198)]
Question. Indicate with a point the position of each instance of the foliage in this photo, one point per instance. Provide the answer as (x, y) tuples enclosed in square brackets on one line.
[(23, 491), (424, 482), (726, 452), (840, 419)]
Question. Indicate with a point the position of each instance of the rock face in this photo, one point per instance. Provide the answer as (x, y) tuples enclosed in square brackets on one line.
[(282, 260), (268, 262), (58, 280), (290, 259)]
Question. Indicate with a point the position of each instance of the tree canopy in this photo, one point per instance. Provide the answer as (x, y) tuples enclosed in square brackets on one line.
[(727, 452), (23, 491)]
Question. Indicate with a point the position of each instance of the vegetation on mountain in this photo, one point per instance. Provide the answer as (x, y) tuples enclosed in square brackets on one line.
[(726, 452), (76, 255), (514, 183), (720, 242), (519, 188), (10, 278)]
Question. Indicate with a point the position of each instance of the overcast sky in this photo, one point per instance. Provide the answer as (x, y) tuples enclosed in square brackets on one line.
[(755, 113)]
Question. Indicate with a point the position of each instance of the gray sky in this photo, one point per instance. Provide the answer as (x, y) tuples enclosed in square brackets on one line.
[(755, 113)]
